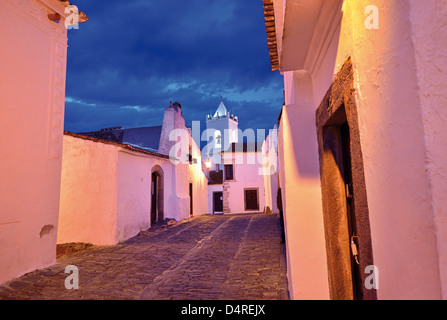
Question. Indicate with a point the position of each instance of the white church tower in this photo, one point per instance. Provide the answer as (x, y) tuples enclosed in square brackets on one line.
[(222, 131)]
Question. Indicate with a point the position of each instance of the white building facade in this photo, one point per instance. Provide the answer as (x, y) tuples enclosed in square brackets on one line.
[(33, 59), (240, 181), (243, 186), (361, 146), (111, 191), (221, 131)]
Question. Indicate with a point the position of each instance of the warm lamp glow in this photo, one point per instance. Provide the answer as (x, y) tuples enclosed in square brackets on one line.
[(208, 163)]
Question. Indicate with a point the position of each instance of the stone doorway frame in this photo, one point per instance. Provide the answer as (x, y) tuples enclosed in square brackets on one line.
[(338, 107)]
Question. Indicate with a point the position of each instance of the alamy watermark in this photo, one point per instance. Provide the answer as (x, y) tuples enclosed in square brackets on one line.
[(219, 145), (372, 280), (72, 281), (72, 20), (372, 20)]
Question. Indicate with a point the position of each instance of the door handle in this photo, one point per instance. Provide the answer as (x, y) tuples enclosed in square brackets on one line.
[(348, 192)]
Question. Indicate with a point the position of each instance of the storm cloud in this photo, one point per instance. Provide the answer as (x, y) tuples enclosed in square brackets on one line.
[(133, 57)]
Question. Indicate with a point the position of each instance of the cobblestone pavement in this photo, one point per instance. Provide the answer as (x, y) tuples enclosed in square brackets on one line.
[(213, 257)]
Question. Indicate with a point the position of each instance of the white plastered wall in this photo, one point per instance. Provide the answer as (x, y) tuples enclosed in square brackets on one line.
[(398, 72), (88, 208), (134, 183), (301, 193), (247, 174), (393, 146), (32, 90)]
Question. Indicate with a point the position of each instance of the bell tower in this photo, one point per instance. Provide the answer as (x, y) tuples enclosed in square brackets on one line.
[(222, 131)]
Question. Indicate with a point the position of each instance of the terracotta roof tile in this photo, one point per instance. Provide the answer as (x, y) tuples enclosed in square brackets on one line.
[(124, 146), (269, 20)]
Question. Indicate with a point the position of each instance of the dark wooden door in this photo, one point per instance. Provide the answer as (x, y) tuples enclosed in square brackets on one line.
[(190, 199), (251, 199), (154, 197), (353, 234), (218, 201)]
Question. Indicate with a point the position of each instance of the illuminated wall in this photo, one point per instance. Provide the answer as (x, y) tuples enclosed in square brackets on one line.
[(32, 89), (399, 69)]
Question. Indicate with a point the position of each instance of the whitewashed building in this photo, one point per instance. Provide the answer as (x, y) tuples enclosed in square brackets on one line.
[(222, 129), (112, 189), (361, 143), (239, 181), (33, 59), (244, 186)]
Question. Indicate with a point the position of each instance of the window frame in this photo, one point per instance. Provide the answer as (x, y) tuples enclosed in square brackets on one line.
[(225, 166)]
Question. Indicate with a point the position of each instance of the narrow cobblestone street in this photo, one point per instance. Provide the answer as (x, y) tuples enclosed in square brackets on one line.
[(213, 257)]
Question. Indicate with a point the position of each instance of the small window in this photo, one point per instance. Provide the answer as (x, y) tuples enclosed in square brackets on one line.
[(228, 172), (190, 155), (218, 139)]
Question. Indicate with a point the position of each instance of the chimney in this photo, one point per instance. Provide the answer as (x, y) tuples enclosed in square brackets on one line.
[(173, 119)]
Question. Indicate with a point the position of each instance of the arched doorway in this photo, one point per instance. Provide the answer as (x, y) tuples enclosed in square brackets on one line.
[(157, 187)]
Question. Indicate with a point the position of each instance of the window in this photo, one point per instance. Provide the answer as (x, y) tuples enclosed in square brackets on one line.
[(217, 140), (228, 171), (190, 155)]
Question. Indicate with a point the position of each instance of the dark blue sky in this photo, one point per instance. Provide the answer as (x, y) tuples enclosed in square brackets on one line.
[(132, 57)]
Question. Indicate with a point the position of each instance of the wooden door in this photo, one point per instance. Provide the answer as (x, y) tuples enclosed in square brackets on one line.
[(190, 200), (218, 201), (251, 199), (154, 198), (350, 206)]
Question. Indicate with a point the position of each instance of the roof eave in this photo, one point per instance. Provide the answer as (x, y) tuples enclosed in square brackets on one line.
[(269, 20), (117, 144)]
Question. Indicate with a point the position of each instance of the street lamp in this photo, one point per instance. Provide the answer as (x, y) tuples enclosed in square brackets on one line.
[(208, 163)]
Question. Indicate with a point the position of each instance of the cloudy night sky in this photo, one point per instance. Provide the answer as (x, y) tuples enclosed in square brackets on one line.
[(133, 57)]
